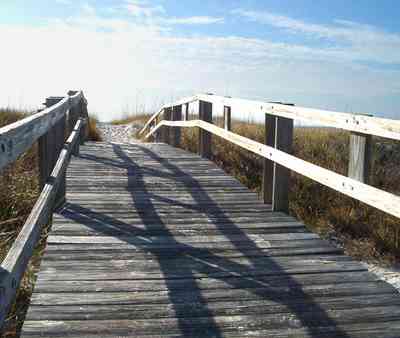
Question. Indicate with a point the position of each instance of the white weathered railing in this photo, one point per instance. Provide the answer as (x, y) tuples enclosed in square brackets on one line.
[(63, 115), (278, 162)]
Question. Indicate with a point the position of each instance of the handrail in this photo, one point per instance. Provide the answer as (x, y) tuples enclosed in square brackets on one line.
[(18, 137), (377, 198), (361, 123), (176, 103), (48, 127)]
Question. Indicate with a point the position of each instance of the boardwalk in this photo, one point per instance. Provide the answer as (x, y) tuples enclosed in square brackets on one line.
[(154, 241)]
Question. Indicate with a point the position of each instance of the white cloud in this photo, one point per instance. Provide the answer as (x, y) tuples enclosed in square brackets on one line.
[(195, 20), (88, 9), (117, 62), (141, 8), (352, 41)]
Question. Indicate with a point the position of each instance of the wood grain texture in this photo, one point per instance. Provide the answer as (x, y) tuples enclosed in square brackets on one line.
[(374, 197), (227, 118), (360, 146), (204, 143), (14, 265), (360, 123), (157, 242), (18, 137)]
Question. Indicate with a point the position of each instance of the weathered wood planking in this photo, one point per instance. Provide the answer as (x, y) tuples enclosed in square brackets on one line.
[(377, 198), (14, 265), (154, 241), (360, 157)]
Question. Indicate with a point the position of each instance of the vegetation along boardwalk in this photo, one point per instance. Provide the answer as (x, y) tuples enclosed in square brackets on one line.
[(149, 240)]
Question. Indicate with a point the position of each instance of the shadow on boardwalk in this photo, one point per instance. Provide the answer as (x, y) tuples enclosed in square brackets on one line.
[(309, 314)]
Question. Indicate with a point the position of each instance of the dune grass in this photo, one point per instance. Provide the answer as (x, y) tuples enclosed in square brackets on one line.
[(365, 232), (19, 189), (94, 134), (132, 118)]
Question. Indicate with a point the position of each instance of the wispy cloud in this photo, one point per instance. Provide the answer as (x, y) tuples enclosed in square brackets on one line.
[(133, 54), (352, 41), (142, 8), (195, 20), (157, 15)]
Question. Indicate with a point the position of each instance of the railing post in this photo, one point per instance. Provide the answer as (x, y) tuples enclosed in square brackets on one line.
[(157, 134), (227, 118), (205, 114), (186, 112), (84, 135), (360, 157), (74, 113), (278, 134), (165, 132), (50, 146), (176, 131)]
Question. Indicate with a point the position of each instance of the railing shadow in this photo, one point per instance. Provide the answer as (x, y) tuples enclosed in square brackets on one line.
[(201, 260)]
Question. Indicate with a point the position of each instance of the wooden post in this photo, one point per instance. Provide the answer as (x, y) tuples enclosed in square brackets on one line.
[(176, 131), (205, 114), (360, 157), (227, 118), (74, 113), (158, 133), (186, 112), (85, 129), (165, 132), (278, 134), (50, 146)]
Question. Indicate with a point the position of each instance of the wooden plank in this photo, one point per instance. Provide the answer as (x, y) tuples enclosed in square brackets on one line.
[(249, 252), (239, 291), (374, 197), (223, 308), (207, 247), (209, 283), (182, 239)]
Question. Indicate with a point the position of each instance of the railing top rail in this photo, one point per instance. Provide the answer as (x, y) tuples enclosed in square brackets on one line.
[(377, 198), (18, 137), (361, 123), (176, 103)]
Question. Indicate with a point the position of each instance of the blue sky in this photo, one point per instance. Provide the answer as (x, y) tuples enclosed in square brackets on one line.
[(130, 55)]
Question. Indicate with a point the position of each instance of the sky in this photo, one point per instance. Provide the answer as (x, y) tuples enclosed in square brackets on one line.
[(134, 55)]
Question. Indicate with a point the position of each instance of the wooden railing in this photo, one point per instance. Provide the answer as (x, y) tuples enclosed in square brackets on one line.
[(49, 127), (278, 162)]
